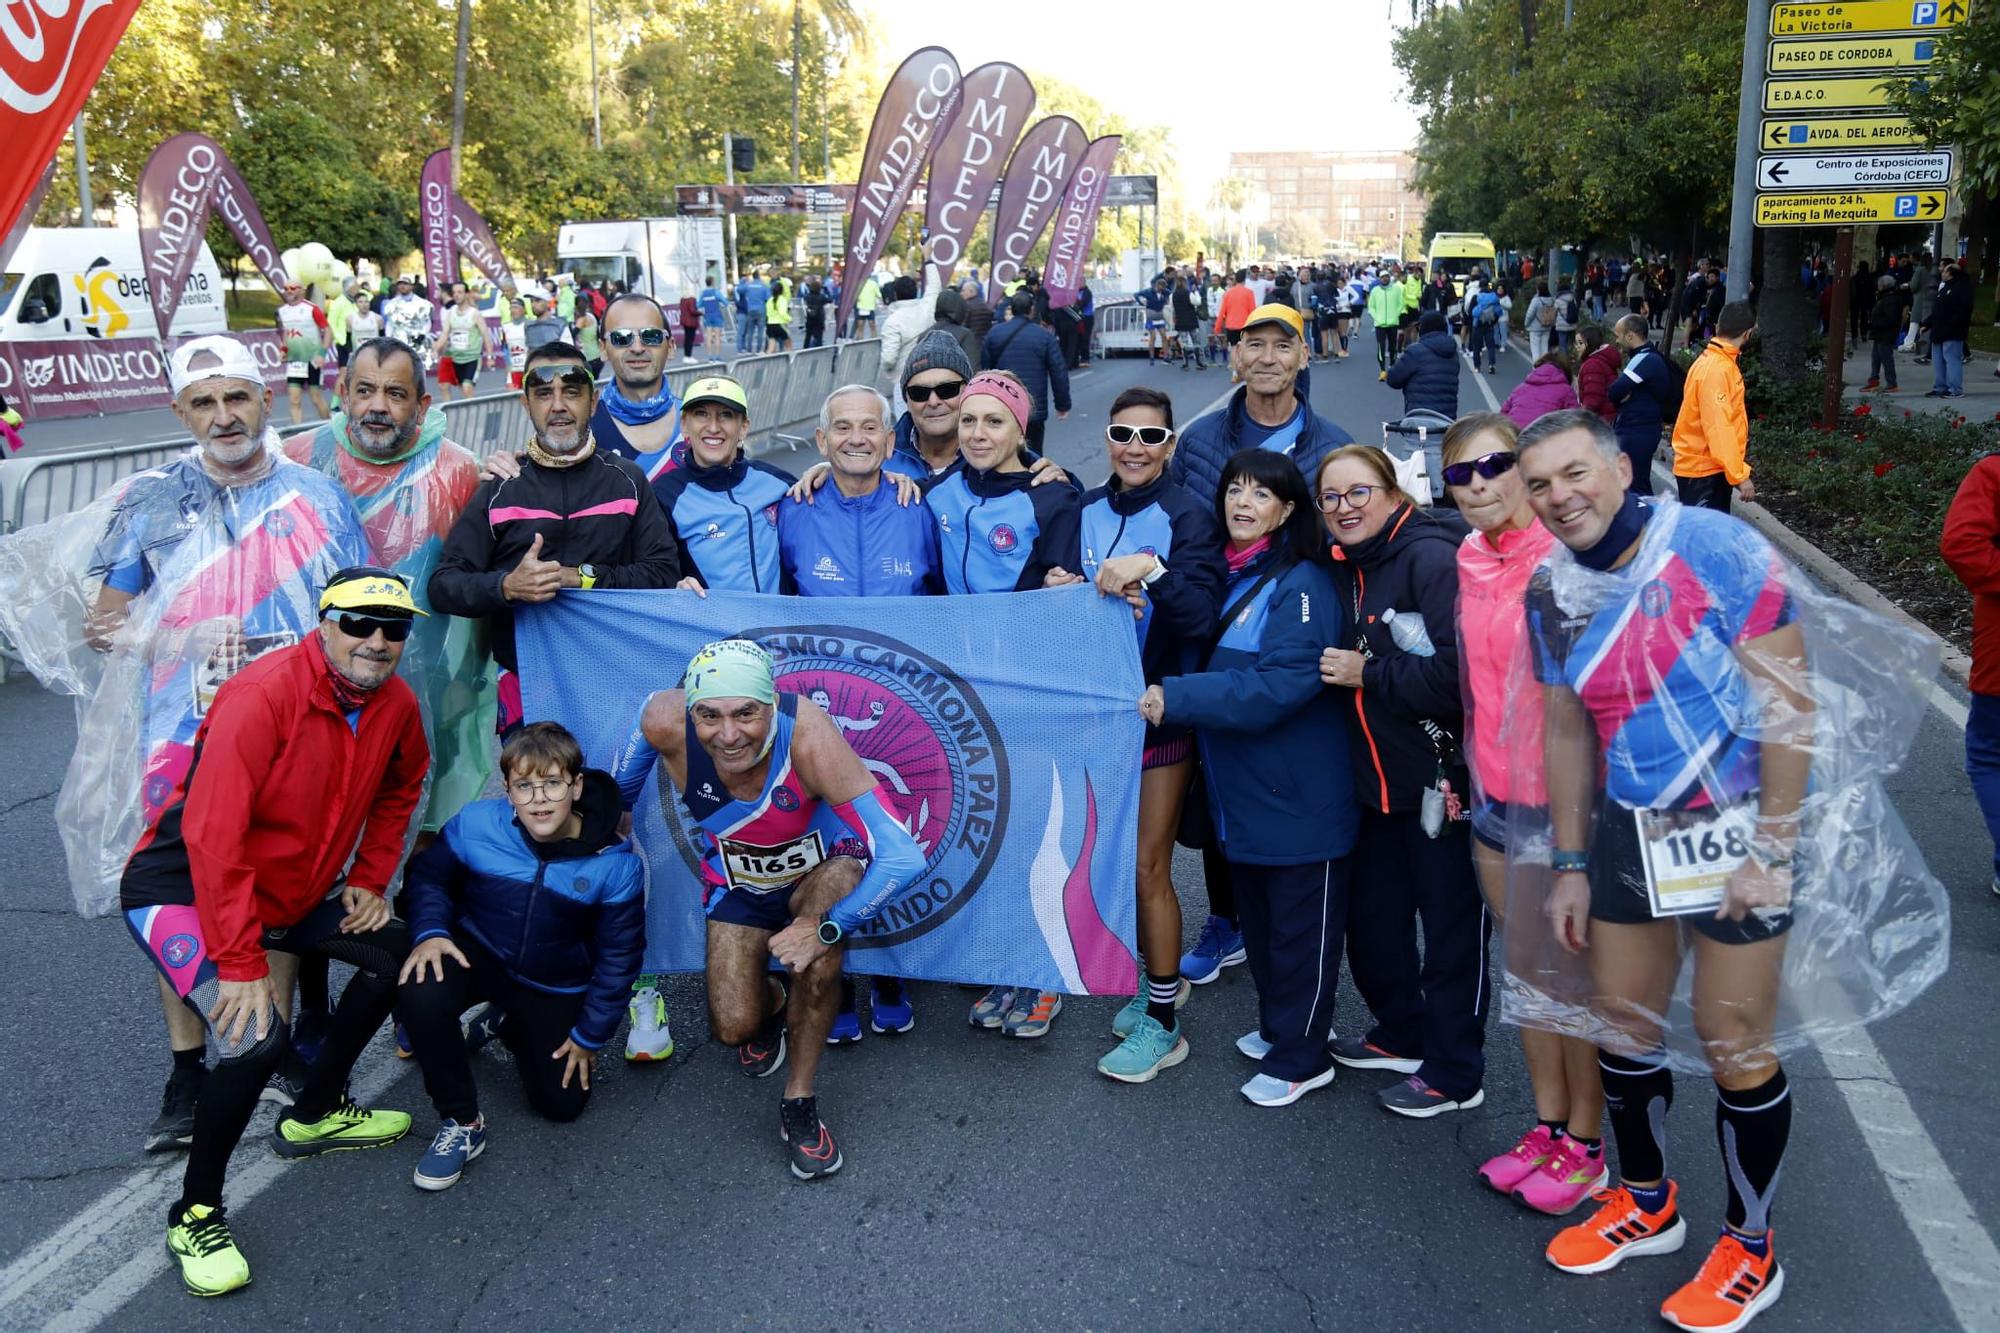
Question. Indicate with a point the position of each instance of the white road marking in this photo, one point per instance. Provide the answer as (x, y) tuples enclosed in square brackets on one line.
[(1485, 390), (121, 1234)]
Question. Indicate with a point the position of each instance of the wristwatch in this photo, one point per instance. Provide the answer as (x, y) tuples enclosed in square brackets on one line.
[(1565, 863), (830, 932), (1155, 574), (586, 575)]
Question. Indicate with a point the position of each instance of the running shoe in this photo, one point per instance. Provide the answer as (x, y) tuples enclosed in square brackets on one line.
[(1733, 1287), (1252, 1044), (1571, 1174), (451, 1148), (1220, 946), (813, 1151), (1515, 1165), (1618, 1230), (1032, 1014), (1146, 1050), (990, 1009), (1265, 1090), (1126, 1020), (211, 1265), (482, 1024), (649, 1038), (174, 1126), (308, 1031), (846, 1028), (1420, 1101), (886, 1014), (345, 1127), (403, 1048), (764, 1054), (287, 1081), (1358, 1054)]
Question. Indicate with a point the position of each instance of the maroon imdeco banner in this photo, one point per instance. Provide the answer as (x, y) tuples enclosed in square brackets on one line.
[(439, 239), (994, 109), (921, 99), (474, 240), (1076, 220), (187, 179), (75, 377), (1037, 175)]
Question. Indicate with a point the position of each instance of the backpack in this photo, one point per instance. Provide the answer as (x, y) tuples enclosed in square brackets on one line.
[(1676, 391), (1547, 315), (1489, 310), (1570, 310)]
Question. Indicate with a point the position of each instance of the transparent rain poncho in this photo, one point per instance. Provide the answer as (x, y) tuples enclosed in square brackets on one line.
[(218, 576), (1691, 699)]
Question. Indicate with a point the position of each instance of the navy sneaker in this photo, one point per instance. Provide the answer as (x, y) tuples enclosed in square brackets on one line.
[(444, 1161), (846, 1029), (1220, 946), (403, 1048), (889, 1007), (482, 1025)]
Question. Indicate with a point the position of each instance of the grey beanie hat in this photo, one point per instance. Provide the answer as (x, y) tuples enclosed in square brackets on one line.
[(936, 350)]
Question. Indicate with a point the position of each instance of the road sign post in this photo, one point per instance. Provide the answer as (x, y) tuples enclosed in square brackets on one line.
[(1742, 233)]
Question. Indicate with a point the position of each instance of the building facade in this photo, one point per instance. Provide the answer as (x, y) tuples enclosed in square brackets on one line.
[(1357, 203)]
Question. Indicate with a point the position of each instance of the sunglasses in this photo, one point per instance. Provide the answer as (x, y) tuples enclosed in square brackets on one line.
[(944, 393), (365, 627), (1153, 437), (569, 375), (1488, 466), (1356, 496), (625, 337)]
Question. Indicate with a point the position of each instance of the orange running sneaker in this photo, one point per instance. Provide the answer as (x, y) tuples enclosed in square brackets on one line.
[(1733, 1287), (1618, 1230)]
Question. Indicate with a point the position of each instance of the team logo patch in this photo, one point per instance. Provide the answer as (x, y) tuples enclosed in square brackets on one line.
[(771, 515), (925, 737), (1655, 598), (1003, 539), (179, 950), (279, 524)]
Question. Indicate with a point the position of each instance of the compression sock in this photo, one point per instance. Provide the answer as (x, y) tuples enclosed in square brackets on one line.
[(1637, 1097), (1221, 891), (191, 1061), (1160, 995), (313, 984), (1752, 1126)]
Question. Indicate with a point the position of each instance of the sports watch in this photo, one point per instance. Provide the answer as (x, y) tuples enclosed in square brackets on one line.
[(586, 575), (1568, 863), (830, 932), (1155, 574)]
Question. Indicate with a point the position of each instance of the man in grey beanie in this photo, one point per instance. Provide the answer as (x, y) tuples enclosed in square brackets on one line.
[(934, 376)]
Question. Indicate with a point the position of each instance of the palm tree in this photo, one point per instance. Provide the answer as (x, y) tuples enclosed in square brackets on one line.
[(842, 22)]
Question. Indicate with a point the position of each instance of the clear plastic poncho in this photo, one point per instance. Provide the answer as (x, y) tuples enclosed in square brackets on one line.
[(217, 576), (1693, 699)]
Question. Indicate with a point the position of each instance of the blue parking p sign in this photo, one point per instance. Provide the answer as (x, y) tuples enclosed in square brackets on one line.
[(1906, 205), (1923, 15)]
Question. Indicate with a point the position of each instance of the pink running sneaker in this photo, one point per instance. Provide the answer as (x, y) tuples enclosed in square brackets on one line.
[(1565, 1180), (1515, 1165)]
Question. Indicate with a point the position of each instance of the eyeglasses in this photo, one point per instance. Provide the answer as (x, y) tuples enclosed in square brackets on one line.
[(1488, 466), (365, 627), (537, 789), (1153, 437), (569, 374), (944, 393), (1355, 497), (625, 337)]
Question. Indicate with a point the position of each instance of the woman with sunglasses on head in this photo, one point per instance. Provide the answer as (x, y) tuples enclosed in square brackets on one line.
[(1150, 542), (1000, 532), (1259, 711), (1396, 567), (1560, 1160)]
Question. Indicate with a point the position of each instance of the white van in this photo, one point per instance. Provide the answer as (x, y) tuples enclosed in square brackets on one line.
[(664, 258), (87, 282)]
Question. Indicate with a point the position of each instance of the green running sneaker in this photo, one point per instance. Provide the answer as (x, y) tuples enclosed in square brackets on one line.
[(211, 1265), (345, 1126), (1128, 1018), (1141, 1056)]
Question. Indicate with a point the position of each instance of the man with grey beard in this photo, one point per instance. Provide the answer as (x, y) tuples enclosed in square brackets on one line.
[(205, 565)]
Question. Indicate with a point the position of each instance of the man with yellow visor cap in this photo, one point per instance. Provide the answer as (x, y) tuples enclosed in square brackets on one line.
[(311, 755), (722, 503), (802, 852)]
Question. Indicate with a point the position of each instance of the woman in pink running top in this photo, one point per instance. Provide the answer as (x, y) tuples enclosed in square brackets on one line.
[(1558, 1162)]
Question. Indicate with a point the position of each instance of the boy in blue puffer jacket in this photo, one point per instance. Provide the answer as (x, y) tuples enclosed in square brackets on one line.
[(535, 904)]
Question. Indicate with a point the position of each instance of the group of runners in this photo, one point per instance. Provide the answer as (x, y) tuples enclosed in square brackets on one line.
[(1343, 668)]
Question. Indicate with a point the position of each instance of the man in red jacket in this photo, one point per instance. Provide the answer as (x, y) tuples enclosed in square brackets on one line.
[(1971, 531), (308, 755)]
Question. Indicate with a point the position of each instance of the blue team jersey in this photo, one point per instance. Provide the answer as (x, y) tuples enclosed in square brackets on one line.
[(710, 302), (1657, 667), (1108, 533), (999, 533), (870, 546), (727, 521)]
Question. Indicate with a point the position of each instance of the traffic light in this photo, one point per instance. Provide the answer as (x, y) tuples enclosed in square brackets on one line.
[(743, 153)]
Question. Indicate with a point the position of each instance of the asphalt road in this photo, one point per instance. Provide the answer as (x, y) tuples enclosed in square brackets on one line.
[(989, 1183)]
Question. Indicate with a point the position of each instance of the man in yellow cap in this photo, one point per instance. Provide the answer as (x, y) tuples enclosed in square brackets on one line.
[(284, 836), (723, 505)]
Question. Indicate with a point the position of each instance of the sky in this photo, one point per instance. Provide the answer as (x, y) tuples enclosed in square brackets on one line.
[(1173, 64)]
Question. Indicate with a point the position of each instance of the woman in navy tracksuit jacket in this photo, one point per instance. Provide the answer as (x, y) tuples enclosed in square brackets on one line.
[(1149, 541), (553, 932), (1274, 757), (1397, 564)]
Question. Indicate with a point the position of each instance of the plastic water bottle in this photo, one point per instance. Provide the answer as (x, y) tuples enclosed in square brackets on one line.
[(1407, 630)]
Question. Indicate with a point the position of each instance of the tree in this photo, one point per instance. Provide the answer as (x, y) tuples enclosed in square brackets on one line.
[(842, 23), (1958, 102), (1295, 237)]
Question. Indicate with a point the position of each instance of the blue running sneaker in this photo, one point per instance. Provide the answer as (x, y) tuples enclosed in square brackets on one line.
[(444, 1161), (846, 1028), (886, 1014), (1220, 946)]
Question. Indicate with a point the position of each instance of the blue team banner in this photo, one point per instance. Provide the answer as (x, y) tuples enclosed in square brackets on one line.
[(1003, 731)]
